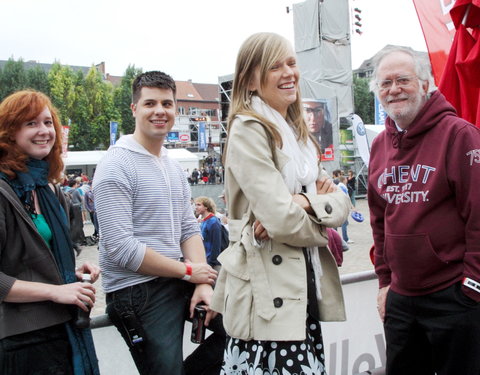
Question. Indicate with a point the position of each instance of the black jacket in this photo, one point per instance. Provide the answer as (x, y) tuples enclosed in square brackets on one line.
[(24, 255)]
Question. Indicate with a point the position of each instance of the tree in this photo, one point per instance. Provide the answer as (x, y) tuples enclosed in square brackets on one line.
[(123, 99), (80, 129), (86, 104), (364, 100), (37, 79), (100, 108), (12, 77), (61, 81)]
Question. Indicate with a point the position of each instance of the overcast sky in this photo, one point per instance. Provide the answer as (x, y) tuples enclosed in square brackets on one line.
[(188, 39)]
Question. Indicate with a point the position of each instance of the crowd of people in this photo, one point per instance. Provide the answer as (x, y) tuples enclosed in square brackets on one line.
[(267, 292), (80, 198), (209, 174)]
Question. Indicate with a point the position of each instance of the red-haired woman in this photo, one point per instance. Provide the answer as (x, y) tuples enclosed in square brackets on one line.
[(39, 288)]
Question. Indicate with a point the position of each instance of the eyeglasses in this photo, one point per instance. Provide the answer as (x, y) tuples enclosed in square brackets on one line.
[(387, 84)]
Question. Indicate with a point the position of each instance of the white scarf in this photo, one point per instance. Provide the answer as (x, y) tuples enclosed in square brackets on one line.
[(300, 170)]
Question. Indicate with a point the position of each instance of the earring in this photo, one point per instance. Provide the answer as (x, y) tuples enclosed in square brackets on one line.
[(249, 99)]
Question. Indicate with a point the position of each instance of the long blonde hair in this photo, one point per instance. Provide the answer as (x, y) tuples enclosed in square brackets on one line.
[(263, 50)]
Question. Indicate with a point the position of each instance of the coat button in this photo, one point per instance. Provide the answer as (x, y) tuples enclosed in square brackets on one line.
[(328, 208), (277, 302), (277, 259)]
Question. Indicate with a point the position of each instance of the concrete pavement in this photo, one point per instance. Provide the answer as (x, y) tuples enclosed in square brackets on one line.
[(357, 259)]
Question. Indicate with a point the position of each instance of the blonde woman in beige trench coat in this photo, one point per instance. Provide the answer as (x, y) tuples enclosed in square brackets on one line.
[(278, 278)]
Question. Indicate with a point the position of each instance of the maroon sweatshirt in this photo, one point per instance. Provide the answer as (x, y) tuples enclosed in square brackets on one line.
[(423, 194)]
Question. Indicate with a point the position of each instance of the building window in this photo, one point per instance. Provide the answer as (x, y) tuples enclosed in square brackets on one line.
[(193, 111), (210, 112)]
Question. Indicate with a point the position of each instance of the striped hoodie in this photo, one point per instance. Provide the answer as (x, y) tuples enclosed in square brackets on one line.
[(141, 200)]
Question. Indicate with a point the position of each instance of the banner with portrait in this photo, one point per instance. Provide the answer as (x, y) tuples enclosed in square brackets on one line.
[(321, 124)]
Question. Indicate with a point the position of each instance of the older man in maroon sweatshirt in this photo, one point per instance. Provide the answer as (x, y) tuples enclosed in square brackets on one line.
[(424, 176)]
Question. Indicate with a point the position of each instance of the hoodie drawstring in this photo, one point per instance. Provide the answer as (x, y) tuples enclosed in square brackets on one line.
[(397, 138)]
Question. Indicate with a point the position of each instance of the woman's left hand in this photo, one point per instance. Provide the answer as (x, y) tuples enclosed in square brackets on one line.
[(90, 268), (260, 233), (325, 186)]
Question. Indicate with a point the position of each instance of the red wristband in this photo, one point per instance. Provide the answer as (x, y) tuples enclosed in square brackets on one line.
[(188, 272)]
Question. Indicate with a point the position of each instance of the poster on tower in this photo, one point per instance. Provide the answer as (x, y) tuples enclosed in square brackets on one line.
[(318, 117)]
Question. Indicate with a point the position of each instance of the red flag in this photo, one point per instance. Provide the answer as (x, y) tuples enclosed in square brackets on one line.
[(466, 12), (460, 82), (437, 30)]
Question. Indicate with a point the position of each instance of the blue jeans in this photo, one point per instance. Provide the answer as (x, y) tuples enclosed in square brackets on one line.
[(352, 197), (344, 231), (154, 310)]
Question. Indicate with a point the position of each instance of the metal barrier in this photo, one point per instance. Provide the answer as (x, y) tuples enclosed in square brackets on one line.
[(102, 321), (357, 277)]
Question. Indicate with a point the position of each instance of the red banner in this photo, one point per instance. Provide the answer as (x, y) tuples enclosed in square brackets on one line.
[(66, 130), (438, 31), (461, 82)]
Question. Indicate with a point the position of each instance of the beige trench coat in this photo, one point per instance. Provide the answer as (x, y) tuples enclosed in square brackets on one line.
[(262, 291)]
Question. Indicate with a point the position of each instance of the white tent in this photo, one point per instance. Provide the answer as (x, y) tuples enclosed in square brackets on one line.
[(76, 158), (373, 131), (188, 160), (86, 161)]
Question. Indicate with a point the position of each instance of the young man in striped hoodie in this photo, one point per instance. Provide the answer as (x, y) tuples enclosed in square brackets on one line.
[(147, 228)]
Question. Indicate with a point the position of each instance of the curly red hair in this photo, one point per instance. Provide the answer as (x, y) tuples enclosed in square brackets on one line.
[(15, 110)]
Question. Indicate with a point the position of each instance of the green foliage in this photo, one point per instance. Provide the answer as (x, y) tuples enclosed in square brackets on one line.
[(86, 104), (61, 80), (12, 77), (364, 100), (100, 108), (123, 99), (37, 79), (79, 136)]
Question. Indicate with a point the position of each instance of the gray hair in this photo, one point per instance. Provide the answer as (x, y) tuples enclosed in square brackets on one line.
[(421, 64)]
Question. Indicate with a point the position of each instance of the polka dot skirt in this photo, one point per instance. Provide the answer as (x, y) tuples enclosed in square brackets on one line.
[(276, 357)]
